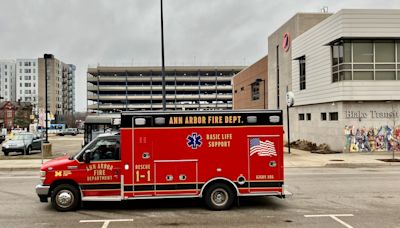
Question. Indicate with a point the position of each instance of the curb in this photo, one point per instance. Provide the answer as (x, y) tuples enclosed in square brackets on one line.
[(358, 165)]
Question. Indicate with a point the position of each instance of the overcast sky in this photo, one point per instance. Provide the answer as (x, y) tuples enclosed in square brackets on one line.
[(200, 32)]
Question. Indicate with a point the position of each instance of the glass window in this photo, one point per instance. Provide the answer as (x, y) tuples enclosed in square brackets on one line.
[(105, 150), (255, 91), (347, 52), (363, 51), (398, 50), (363, 75), (335, 55), (384, 51), (385, 75), (323, 116), (344, 75), (333, 116), (302, 70), (385, 66), (363, 66), (301, 116), (308, 116), (335, 77)]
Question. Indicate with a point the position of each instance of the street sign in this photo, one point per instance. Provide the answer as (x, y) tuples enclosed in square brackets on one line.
[(290, 99)]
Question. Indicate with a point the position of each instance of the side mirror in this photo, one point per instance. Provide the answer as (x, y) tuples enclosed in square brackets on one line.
[(86, 156)]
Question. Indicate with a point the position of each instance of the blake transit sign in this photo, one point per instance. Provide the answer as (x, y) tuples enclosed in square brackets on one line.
[(371, 114)]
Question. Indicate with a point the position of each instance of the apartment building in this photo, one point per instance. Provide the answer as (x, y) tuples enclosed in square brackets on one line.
[(113, 89), (60, 86), (27, 81), (23, 80), (7, 80)]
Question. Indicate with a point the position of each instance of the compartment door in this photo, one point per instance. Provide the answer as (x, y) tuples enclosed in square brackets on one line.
[(176, 177), (265, 163)]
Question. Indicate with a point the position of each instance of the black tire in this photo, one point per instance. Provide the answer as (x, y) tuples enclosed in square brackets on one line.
[(219, 196), (63, 203), (28, 150), (5, 153)]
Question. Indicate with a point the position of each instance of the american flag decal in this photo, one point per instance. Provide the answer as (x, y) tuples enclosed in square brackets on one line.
[(261, 148)]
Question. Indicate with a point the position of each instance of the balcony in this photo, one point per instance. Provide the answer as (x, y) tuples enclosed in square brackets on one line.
[(159, 106)]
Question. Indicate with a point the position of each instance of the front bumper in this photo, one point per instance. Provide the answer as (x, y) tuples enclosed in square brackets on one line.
[(13, 149), (43, 192)]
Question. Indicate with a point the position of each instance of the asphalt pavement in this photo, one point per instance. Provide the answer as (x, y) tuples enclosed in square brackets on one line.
[(322, 197)]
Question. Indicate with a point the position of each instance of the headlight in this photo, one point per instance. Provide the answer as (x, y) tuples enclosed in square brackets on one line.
[(6, 146), (42, 175)]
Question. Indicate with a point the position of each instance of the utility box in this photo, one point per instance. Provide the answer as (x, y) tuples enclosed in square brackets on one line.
[(46, 150)]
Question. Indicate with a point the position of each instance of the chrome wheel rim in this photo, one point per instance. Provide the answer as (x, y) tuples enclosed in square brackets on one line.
[(219, 197), (65, 198)]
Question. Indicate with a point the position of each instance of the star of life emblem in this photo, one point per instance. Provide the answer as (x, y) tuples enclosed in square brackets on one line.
[(194, 140)]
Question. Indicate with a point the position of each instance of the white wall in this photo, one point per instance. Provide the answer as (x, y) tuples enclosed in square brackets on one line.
[(7, 80), (312, 44), (34, 81)]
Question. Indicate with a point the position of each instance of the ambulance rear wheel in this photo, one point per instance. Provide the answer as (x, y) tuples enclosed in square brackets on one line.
[(219, 196), (65, 197)]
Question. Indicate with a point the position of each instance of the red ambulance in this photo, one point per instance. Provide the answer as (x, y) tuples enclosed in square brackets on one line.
[(218, 156)]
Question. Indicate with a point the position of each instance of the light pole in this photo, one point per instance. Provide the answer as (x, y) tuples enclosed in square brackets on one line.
[(46, 56), (162, 59)]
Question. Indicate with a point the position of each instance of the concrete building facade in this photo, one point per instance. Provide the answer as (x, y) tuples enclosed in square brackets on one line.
[(23, 80), (280, 56), (346, 79), (27, 81), (7, 80), (344, 72), (250, 86), (113, 89), (60, 85)]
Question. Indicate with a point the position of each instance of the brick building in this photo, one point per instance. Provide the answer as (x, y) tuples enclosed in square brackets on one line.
[(15, 114), (249, 86)]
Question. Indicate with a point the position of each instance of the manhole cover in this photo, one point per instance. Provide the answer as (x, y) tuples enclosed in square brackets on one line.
[(336, 160), (389, 160)]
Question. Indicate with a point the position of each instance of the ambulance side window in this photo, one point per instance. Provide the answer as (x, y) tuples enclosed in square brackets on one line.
[(105, 150)]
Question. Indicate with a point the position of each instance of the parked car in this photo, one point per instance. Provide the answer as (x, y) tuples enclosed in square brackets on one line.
[(23, 142), (68, 131), (2, 138)]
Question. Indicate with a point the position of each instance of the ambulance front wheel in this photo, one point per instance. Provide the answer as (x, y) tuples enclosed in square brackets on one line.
[(219, 196), (65, 197)]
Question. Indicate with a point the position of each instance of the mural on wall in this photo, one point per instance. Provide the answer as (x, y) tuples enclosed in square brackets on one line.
[(384, 138)]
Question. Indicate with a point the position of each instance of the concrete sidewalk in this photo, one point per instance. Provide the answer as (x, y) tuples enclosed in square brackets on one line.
[(297, 158), (301, 158)]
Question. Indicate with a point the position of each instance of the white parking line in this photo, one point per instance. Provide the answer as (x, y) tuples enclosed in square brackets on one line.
[(106, 222), (334, 217)]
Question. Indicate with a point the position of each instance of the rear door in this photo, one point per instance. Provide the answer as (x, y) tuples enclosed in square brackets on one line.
[(265, 163)]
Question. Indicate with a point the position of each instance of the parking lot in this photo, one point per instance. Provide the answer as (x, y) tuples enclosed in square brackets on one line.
[(60, 145)]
